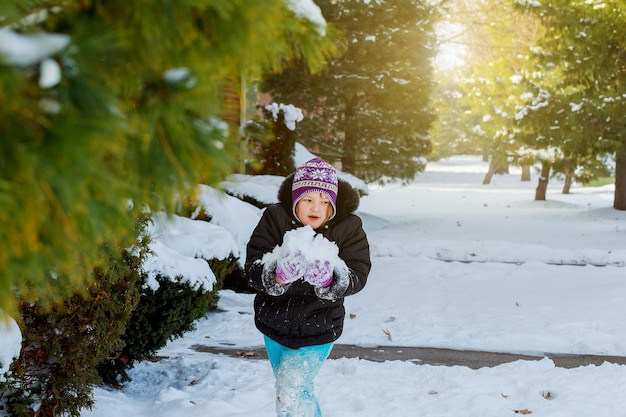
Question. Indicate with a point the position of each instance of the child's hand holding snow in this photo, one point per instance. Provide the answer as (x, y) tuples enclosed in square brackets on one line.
[(323, 255), (291, 266), (319, 273), (303, 254), (292, 261)]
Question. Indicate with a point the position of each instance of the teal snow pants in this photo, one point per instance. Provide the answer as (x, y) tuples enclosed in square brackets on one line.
[(295, 370)]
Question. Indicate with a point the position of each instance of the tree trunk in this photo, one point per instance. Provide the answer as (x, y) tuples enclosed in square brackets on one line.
[(502, 169), (542, 186), (619, 202), (348, 158), (567, 184), (525, 172), (490, 172)]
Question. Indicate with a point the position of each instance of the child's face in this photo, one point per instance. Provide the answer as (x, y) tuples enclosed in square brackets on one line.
[(314, 209)]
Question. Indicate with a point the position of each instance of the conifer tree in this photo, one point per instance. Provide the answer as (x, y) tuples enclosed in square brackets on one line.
[(111, 107), (583, 48), (369, 108)]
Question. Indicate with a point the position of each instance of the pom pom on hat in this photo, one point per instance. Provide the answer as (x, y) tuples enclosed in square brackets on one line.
[(315, 175)]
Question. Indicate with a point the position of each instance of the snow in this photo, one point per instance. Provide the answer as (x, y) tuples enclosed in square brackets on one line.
[(576, 107), (25, 50), (176, 75), (307, 9), (232, 214), (262, 187), (50, 73), (303, 239), (292, 114), (455, 264), (181, 247), (528, 3), (10, 342)]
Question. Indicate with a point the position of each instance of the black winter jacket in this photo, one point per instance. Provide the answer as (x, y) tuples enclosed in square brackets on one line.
[(298, 314)]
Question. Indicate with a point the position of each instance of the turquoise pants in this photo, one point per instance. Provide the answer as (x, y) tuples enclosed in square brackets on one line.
[(295, 370)]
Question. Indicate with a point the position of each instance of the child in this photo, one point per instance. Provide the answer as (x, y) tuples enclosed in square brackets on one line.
[(307, 253)]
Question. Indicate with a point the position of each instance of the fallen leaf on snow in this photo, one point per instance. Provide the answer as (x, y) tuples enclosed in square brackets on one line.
[(548, 395), (247, 354)]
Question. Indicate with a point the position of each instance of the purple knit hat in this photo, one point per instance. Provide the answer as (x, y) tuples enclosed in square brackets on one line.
[(315, 175)]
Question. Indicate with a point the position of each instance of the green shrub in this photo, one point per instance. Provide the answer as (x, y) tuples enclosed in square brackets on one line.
[(61, 346), (97, 335), (599, 182), (237, 281), (271, 145), (162, 315)]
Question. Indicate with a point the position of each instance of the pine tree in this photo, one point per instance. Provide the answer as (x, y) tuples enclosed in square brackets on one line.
[(124, 112), (369, 108), (583, 48)]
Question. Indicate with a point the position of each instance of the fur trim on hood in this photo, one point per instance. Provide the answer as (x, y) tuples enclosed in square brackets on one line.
[(347, 198)]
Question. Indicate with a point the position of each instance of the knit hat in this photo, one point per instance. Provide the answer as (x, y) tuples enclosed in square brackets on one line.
[(315, 175)]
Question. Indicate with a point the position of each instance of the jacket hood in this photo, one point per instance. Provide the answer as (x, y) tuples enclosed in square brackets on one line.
[(347, 198)]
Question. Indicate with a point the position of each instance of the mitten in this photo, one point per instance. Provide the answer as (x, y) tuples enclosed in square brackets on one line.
[(319, 273), (290, 266)]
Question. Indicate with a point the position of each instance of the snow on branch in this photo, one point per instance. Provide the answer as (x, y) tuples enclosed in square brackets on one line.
[(291, 112)]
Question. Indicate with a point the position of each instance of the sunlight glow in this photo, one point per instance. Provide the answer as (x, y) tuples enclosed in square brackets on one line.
[(451, 52)]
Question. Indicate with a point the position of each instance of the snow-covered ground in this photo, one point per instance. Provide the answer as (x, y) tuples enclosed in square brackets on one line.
[(456, 264)]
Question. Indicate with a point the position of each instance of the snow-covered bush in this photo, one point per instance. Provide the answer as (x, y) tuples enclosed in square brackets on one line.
[(187, 263), (163, 314)]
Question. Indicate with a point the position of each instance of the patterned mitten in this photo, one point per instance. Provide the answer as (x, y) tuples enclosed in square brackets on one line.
[(319, 273), (290, 267)]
